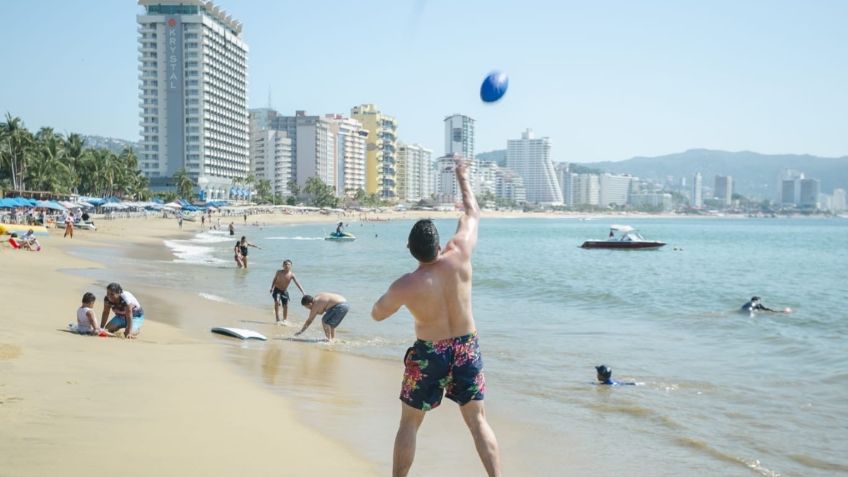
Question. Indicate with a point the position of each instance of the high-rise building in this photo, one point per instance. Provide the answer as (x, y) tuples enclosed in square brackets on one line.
[(614, 190), (531, 159), (510, 186), (809, 198), (788, 192), (459, 136), (724, 189), (784, 194), (566, 183), (349, 153), (413, 172), (586, 189), (193, 96), (381, 162), (838, 200), (270, 151), (697, 191), (270, 159)]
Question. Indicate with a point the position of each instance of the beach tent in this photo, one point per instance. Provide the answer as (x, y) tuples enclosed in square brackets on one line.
[(172, 206)]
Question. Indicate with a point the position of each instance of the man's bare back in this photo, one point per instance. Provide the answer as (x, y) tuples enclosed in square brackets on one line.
[(438, 295), (438, 292)]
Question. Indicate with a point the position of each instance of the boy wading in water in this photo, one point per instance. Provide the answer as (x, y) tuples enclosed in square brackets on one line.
[(446, 357), (280, 290)]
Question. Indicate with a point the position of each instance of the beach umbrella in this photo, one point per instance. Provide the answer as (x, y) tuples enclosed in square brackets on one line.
[(48, 204)]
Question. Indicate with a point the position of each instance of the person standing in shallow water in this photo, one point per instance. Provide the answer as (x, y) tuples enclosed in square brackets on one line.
[(280, 290), (446, 357), (241, 249)]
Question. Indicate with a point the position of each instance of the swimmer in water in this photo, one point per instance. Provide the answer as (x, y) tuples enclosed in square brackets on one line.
[(605, 377)]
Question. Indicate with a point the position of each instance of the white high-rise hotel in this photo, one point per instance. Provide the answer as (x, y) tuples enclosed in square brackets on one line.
[(193, 95), (531, 159)]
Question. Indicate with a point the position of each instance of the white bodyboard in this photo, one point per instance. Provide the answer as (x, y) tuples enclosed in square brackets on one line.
[(240, 333)]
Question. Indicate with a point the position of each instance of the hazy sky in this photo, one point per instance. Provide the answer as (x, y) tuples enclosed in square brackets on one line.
[(604, 80)]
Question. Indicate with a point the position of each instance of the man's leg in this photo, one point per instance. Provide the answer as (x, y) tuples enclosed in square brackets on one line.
[(285, 312), (328, 331), (410, 421), (277, 309), (484, 437)]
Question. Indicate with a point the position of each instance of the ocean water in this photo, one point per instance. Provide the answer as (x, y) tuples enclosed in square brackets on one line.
[(721, 393)]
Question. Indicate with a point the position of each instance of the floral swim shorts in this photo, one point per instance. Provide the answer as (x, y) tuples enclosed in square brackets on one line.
[(433, 368)]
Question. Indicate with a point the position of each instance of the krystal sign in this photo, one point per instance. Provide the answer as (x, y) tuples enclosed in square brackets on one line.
[(174, 94)]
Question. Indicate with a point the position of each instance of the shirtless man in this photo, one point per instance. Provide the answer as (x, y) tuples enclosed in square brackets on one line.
[(334, 307), (280, 289), (446, 356)]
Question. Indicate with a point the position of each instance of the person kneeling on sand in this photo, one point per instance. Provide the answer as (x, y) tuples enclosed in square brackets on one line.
[(129, 315), (334, 308), (86, 324)]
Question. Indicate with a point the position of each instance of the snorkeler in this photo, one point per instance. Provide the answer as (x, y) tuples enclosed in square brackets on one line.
[(605, 377)]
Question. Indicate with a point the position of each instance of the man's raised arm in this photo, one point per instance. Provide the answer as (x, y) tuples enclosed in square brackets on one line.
[(465, 237)]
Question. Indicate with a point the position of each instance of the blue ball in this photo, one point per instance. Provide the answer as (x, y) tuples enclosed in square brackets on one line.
[(494, 87)]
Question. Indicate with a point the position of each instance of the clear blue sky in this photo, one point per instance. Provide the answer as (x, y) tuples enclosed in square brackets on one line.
[(603, 80)]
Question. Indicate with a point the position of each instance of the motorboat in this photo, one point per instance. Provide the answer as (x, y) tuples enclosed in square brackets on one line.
[(341, 237), (623, 237)]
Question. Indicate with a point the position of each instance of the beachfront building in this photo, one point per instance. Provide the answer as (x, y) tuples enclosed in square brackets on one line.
[(788, 187), (614, 190), (381, 150), (413, 172), (809, 197), (510, 186), (531, 159), (349, 154), (270, 159), (656, 201), (838, 200), (697, 191), (192, 96), (724, 189), (486, 177), (586, 189)]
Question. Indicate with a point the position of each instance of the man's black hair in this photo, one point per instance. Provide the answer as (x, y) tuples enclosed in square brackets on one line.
[(424, 241), (306, 300)]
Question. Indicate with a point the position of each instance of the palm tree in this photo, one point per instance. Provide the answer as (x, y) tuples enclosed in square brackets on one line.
[(75, 153), (14, 142), (183, 183)]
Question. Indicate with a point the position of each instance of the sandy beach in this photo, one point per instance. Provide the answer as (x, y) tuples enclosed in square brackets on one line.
[(172, 402), (163, 404)]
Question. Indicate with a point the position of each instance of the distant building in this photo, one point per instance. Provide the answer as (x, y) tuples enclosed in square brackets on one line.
[(586, 189), (510, 186), (566, 183), (459, 136), (789, 192), (614, 190), (654, 200), (270, 159), (413, 172), (349, 154), (724, 189), (381, 147), (785, 195), (192, 96), (531, 159), (838, 200), (809, 198), (697, 191)]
